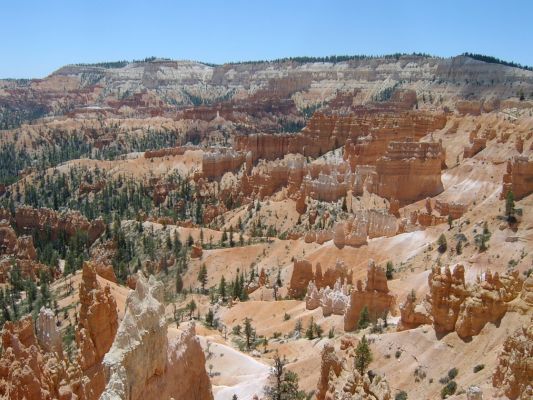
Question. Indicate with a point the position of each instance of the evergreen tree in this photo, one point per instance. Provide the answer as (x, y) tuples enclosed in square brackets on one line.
[(459, 247), (202, 277), (248, 332), (363, 356), (222, 288), (243, 296), (177, 244), (179, 283), (310, 331), (390, 270), (210, 318), (283, 384), (364, 319), (191, 307), (443, 245), (510, 206), (231, 241)]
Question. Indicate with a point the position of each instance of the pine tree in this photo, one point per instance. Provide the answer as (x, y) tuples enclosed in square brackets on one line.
[(248, 332), (231, 242), (179, 283), (390, 270), (459, 247), (210, 318), (278, 279), (443, 245), (310, 331), (510, 206), (364, 319), (283, 385), (202, 277), (363, 356), (191, 307), (222, 288)]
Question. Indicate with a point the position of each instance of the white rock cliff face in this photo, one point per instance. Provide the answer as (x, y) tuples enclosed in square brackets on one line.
[(141, 363)]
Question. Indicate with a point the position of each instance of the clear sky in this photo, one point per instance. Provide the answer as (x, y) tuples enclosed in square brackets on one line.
[(39, 36)]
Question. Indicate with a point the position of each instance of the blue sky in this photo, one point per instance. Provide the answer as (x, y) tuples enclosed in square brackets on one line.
[(39, 36)]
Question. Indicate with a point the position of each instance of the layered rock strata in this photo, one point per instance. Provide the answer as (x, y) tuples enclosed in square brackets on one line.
[(410, 171)]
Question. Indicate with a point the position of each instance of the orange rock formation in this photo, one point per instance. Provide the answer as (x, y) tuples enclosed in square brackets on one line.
[(375, 296)]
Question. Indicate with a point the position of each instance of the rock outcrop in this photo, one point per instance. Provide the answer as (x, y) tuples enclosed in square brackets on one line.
[(375, 296), (447, 293), (26, 372), (142, 364), (410, 171), (303, 274), (48, 335), (17, 250), (49, 222), (332, 300), (339, 380), (513, 375), (527, 291), (412, 314), (452, 305), (487, 302), (218, 162), (97, 326), (519, 178), (453, 209), (330, 368), (475, 147)]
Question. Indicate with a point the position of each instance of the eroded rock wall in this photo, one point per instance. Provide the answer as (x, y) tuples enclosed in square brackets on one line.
[(142, 364)]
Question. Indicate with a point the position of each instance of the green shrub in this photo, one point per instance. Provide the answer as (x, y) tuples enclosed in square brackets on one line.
[(401, 395), (448, 390), (478, 368), (452, 374)]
